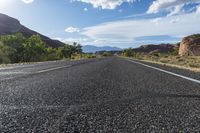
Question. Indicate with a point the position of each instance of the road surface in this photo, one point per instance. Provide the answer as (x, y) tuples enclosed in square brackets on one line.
[(98, 95)]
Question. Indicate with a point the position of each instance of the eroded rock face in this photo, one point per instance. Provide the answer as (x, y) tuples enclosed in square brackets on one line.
[(190, 46)]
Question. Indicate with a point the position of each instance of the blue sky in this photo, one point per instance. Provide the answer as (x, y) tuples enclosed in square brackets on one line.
[(121, 23)]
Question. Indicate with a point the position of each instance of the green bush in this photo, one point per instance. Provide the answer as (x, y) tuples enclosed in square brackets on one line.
[(175, 52), (90, 56), (16, 48), (156, 54), (128, 52), (6, 53), (105, 54)]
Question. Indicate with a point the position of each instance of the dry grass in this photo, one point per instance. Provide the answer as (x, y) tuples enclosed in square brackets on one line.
[(189, 63)]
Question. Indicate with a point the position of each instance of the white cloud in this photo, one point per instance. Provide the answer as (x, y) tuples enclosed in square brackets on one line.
[(176, 10), (106, 4), (174, 20), (174, 6), (85, 9), (65, 40), (57, 38), (198, 10), (128, 30), (71, 40), (27, 1), (156, 20), (79, 40), (72, 29)]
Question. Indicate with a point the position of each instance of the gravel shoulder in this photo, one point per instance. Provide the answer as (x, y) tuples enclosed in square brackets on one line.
[(173, 68)]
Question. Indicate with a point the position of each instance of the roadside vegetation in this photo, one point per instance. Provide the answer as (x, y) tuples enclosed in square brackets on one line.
[(171, 59), (105, 53), (17, 48)]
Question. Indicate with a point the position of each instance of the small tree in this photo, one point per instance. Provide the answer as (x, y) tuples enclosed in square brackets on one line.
[(77, 48), (6, 53), (128, 52), (34, 49), (15, 42)]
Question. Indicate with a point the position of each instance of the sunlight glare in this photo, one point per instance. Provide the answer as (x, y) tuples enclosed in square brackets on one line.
[(4, 3)]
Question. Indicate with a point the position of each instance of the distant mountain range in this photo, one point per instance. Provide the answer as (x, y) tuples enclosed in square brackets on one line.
[(9, 25), (93, 49)]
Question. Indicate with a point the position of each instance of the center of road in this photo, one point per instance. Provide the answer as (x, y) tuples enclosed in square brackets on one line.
[(168, 72)]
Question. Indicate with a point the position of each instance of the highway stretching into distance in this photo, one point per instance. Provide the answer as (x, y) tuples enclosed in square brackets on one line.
[(98, 95)]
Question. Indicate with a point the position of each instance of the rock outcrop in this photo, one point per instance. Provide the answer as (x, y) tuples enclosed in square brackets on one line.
[(9, 25), (190, 46)]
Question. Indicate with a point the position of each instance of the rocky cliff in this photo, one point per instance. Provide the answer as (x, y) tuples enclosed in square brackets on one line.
[(190, 46)]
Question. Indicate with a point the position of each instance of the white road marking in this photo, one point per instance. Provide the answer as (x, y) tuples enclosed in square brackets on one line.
[(14, 67), (4, 108), (51, 69), (2, 74), (168, 72), (12, 73)]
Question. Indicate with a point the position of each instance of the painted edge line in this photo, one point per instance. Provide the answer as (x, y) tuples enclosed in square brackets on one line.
[(39, 72), (165, 71), (52, 69)]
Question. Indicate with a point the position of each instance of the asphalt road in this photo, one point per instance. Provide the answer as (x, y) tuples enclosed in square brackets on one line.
[(97, 95)]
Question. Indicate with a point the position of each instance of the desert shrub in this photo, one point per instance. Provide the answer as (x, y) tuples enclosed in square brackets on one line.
[(194, 65), (164, 60), (181, 60), (156, 54), (175, 52), (165, 56), (105, 54), (90, 56), (128, 52)]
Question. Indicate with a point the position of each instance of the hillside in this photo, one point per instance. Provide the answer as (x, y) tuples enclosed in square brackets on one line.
[(161, 48), (9, 25)]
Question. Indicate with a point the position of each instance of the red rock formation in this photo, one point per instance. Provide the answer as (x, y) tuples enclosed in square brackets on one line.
[(190, 46)]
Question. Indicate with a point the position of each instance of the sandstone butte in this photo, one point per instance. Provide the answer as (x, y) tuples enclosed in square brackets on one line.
[(190, 46)]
